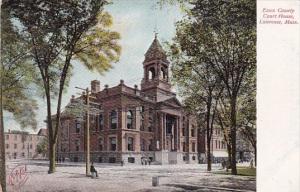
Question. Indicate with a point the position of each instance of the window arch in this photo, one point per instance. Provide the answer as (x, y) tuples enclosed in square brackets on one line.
[(151, 73), (163, 73), (129, 119), (113, 119)]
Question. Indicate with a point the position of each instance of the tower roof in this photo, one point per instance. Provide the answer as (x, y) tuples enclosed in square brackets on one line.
[(155, 51)]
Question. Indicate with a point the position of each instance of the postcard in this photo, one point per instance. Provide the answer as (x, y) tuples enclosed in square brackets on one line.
[(149, 96)]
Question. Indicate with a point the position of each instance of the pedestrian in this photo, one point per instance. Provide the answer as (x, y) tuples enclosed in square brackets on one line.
[(93, 170), (122, 163), (251, 163)]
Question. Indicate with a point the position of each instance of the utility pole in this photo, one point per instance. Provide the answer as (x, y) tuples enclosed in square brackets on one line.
[(87, 134), (87, 110)]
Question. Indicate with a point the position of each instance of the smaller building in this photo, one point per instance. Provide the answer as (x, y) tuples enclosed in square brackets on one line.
[(218, 146), (22, 145)]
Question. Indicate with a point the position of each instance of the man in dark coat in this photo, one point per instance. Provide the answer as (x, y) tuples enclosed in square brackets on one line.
[(93, 170)]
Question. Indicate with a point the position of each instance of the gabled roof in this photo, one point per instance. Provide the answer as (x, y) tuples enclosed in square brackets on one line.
[(172, 101), (155, 51)]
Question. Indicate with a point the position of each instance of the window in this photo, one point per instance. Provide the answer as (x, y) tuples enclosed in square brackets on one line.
[(93, 122), (183, 131), (183, 147), (193, 132), (77, 145), (150, 145), (7, 146), (219, 144), (131, 159), (101, 121), (151, 73), (100, 144), (16, 137), (129, 119), (143, 144), (130, 144), (112, 160), (193, 147), (113, 119), (216, 144), (163, 73), (150, 119), (30, 146), (7, 137), (15, 146), (77, 125), (142, 126), (113, 143)]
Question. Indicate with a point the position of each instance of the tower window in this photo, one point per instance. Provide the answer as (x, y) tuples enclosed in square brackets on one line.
[(163, 73), (151, 73)]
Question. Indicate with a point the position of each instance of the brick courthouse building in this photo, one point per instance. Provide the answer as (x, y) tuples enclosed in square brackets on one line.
[(134, 124)]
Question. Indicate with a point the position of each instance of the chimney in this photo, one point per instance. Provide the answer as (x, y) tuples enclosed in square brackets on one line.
[(95, 86), (106, 88), (72, 99)]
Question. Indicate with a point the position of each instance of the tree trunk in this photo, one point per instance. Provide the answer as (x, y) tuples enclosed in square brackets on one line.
[(255, 156), (208, 156), (50, 134), (52, 157), (229, 153), (233, 135), (2, 143), (208, 135)]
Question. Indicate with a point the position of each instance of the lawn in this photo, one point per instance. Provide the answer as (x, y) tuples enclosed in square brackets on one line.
[(243, 171)]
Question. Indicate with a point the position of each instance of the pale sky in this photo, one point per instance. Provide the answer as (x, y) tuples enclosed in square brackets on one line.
[(136, 21)]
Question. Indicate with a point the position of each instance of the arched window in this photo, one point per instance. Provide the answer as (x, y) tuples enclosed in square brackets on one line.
[(151, 73), (163, 73), (129, 119), (113, 119)]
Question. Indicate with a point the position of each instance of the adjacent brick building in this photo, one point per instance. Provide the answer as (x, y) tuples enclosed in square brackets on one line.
[(134, 124), (21, 144)]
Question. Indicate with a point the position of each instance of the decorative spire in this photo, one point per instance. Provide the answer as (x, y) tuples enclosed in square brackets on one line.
[(155, 51)]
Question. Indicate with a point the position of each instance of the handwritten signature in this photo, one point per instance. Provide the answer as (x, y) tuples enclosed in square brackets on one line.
[(18, 177)]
